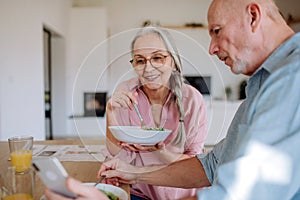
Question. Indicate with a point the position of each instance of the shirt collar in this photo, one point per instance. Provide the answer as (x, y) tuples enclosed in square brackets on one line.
[(272, 63), (283, 51)]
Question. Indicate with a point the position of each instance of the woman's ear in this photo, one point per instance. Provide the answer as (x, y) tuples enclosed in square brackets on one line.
[(174, 69), (254, 10)]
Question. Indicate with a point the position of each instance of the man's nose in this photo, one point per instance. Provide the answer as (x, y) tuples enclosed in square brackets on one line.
[(213, 48)]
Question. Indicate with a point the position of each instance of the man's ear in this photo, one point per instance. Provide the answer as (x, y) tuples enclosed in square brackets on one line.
[(254, 10)]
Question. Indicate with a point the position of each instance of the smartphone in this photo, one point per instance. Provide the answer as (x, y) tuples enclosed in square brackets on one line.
[(53, 174)]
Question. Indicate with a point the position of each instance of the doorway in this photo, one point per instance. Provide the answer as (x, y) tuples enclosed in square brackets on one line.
[(54, 84), (47, 37)]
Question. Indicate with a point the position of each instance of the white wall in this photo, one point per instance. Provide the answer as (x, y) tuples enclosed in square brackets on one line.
[(290, 7), (87, 55), (124, 17), (287, 7), (296, 26), (87, 61), (58, 82), (21, 62)]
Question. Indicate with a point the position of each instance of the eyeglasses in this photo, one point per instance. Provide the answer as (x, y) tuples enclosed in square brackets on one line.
[(157, 61)]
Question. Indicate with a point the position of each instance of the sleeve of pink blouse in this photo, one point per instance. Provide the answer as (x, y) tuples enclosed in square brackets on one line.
[(195, 121), (122, 118)]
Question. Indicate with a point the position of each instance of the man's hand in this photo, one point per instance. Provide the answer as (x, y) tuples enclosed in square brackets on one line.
[(83, 192), (177, 174), (117, 171)]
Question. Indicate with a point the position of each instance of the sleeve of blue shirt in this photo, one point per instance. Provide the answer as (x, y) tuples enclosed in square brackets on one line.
[(266, 164)]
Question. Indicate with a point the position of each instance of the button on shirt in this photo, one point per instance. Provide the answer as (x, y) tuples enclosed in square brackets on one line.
[(259, 158)]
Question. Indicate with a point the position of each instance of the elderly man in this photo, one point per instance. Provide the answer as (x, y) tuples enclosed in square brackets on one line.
[(259, 158)]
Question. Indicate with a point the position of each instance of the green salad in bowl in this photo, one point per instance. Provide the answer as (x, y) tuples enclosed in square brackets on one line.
[(110, 195), (154, 128), (112, 192)]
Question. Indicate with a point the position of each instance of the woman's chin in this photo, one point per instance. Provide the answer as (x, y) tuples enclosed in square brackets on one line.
[(153, 86)]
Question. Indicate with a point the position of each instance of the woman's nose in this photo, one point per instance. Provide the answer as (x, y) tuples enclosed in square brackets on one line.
[(148, 66)]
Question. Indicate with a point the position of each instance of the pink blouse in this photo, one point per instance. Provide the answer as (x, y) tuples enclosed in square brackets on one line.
[(195, 123)]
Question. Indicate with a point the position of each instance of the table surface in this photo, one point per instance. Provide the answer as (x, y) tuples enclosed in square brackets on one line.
[(83, 171)]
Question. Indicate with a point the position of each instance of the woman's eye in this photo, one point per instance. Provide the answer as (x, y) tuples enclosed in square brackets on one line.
[(157, 58), (140, 61)]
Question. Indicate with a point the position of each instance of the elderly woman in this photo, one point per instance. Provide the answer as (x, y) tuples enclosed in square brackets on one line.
[(164, 100)]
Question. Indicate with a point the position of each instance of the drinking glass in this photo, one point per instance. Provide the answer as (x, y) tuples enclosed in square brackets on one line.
[(20, 152), (17, 185)]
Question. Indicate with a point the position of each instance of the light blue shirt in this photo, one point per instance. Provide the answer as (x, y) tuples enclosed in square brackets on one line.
[(260, 156)]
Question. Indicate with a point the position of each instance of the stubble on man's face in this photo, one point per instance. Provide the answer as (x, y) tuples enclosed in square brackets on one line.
[(238, 67), (242, 64)]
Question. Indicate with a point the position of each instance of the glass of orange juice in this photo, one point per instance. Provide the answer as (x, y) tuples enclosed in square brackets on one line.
[(17, 185), (20, 152)]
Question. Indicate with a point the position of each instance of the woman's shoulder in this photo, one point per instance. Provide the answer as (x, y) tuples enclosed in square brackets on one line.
[(191, 95), (190, 92)]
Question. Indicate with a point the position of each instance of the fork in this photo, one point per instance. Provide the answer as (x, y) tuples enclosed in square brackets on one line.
[(140, 116), (102, 177), (100, 180)]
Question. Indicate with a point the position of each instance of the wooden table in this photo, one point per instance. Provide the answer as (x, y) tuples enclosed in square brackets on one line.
[(83, 171)]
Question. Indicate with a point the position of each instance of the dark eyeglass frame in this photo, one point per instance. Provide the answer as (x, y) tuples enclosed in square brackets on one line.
[(142, 67)]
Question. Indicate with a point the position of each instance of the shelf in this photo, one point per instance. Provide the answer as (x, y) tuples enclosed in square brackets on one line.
[(85, 116), (185, 26), (295, 21), (291, 20)]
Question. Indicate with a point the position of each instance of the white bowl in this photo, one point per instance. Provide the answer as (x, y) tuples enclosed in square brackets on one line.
[(137, 135), (119, 192), (89, 184)]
